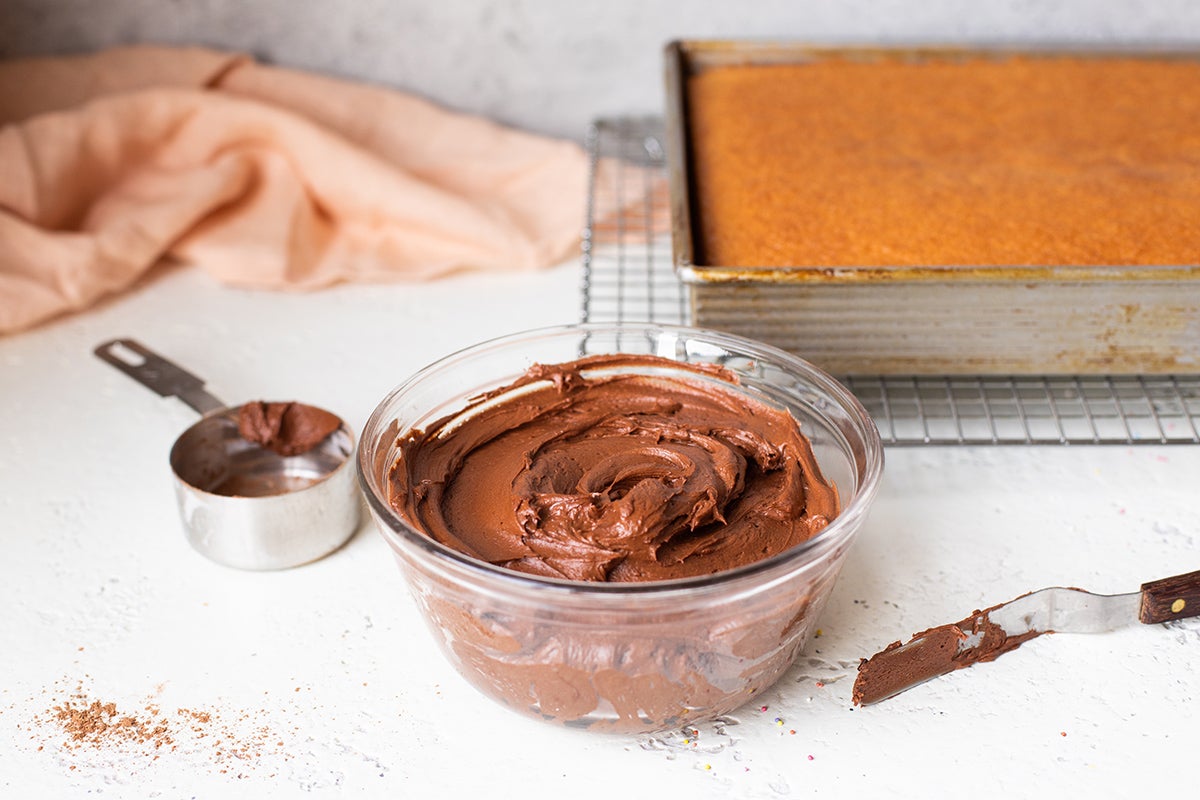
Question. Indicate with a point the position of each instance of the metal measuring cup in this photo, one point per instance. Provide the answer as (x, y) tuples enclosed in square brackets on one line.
[(243, 505)]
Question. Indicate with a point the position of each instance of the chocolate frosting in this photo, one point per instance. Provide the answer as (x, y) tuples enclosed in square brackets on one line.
[(614, 468), (932, 653), (289, 429)]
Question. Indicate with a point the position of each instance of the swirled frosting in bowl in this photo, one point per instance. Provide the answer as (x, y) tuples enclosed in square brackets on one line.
[(614, 468)]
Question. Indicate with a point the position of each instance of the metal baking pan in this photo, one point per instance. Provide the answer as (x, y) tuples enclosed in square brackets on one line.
[(923, 320)]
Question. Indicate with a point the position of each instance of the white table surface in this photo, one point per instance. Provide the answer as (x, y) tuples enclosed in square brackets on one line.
[(328, 678)]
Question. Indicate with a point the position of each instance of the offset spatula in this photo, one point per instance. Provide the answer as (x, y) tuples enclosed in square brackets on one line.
[(990, 633)]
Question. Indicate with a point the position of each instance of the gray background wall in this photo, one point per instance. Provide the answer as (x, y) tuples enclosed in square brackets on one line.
[(553, 65)]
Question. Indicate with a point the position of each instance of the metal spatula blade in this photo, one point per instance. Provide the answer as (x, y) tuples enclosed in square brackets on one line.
[(988, 634)]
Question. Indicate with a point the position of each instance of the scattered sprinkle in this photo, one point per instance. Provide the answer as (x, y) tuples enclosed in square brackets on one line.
[(810, 758), (820, 684), (779, 720), (1062, 733), (762, 708), (792, 731)]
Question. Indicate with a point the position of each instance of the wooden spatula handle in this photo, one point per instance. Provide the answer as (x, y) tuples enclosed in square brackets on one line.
[(1171, 598)]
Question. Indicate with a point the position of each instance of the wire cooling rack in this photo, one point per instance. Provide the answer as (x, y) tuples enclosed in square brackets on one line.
[(627, 276)]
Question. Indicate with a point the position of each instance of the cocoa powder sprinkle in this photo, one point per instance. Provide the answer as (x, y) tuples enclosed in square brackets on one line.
[(98, 723), (95, 726)]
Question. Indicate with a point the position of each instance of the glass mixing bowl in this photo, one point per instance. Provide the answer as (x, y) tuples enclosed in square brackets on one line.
[(626, 657)]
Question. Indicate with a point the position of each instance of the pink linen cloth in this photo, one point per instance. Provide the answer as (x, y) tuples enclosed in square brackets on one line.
[(266, 177)]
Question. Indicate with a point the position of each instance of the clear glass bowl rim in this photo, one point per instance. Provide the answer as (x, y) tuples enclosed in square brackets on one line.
[(399, 534)]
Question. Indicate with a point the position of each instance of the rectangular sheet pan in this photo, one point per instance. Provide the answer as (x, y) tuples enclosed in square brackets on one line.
[(918, 320)]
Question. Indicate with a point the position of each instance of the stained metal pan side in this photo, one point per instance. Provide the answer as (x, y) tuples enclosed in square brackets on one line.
[(676, 61)]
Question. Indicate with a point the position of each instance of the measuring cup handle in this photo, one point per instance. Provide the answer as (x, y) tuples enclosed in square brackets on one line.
[(155, 372)]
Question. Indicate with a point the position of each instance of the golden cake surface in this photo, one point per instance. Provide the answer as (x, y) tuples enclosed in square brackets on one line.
[(992, 161)]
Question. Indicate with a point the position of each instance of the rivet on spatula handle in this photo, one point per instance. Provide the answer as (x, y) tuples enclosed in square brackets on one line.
[(1171, 598)]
